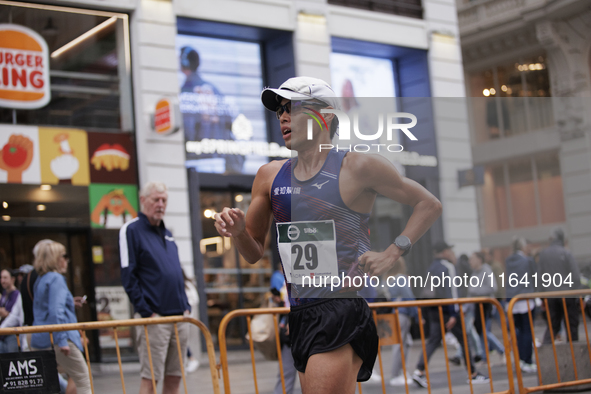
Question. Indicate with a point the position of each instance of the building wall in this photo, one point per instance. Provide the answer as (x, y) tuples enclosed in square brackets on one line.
[(494, 35), (161, 158), (460, 218), (314, 22)]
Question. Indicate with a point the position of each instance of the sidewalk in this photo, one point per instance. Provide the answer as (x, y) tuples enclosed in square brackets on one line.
[(241, 375)]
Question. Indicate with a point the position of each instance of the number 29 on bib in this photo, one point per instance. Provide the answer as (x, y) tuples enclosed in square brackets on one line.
[(307, 249)]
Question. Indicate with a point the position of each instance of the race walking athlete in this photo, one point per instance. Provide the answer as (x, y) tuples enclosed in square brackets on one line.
[(321, 202)]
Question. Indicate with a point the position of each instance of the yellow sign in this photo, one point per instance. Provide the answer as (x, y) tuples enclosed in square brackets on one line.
[(97, 254), (64, 156)]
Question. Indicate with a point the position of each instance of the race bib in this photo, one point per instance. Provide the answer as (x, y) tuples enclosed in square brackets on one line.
[(308, 249)]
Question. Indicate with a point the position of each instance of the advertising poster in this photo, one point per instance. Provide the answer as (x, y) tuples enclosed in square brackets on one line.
[(29, 372), (224, 121), (112, 158), (366, 88), (113, 304), (19, 154), (112, 205), (64, 156)]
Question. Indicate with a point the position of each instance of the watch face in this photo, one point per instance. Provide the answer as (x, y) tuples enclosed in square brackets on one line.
[(402, 242)]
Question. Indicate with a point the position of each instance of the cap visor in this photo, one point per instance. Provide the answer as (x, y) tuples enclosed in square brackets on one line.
[(271, 102)]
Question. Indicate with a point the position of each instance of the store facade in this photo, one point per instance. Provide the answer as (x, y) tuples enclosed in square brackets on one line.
[(212, 61), (530, 121), (69, 168)]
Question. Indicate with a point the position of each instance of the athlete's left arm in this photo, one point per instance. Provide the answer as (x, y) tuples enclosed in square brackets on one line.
[(379, 175)]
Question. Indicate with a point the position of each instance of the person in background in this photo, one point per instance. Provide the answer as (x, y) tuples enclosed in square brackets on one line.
[(498, 269), (559, 262), (463, 269), (11, 310), (193, 298), (486, 288), (280, 299), (54, 304), (153, 279), (443, 265), (27, 287), (402, 291), (519, 264)]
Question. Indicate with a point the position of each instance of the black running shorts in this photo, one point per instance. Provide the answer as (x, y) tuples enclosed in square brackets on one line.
[(327, 324)]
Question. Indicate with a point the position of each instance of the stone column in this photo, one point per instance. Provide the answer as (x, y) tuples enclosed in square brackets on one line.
[(566, 43)]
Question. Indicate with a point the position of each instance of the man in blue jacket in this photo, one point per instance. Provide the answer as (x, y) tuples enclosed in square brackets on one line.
[(153, 279), (443, 267)]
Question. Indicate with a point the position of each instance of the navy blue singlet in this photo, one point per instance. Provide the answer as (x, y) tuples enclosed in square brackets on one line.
[(316, 199)]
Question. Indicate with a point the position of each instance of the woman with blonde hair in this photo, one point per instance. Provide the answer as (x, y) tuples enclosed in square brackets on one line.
[(54, 304)]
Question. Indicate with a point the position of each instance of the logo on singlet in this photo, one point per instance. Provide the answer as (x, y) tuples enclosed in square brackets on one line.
[(319, 185), (293, 232)]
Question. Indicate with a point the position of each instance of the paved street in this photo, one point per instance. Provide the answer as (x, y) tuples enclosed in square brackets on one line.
[(241, 376)]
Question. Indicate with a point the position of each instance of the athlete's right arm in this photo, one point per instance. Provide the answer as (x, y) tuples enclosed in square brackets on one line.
[(249, 232)]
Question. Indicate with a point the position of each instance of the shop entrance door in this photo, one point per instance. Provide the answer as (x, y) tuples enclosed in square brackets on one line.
[(16, 250), (230, 281)]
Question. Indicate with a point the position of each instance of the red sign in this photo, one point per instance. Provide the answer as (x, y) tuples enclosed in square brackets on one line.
[(166, 117), (24, 68)]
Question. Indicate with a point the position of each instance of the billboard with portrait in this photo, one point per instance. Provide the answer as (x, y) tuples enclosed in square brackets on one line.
[(223, 119)]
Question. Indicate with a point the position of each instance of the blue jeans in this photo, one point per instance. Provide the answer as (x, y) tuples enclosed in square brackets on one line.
[(493, 341), (8, 344), (524, 337)]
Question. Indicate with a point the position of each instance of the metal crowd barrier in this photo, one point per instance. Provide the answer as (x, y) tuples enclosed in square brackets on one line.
[(396, 334), (545, 296), (83, 327)]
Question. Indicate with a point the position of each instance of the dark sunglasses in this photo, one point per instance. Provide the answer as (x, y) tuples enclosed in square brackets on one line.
[(283, 108), (287, 106), (66, 256)]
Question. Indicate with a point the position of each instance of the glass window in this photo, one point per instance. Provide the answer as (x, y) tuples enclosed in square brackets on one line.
[(231, 282), (484, 110), (522, 191), (494, 199), (523, 87), (537, 82), (512, 102), (533, 201), (550, 189), (361, 76), (90, 87)]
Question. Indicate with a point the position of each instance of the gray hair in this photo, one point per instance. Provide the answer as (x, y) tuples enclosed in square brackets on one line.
[(519, 243), (153, 187), (558, 235)]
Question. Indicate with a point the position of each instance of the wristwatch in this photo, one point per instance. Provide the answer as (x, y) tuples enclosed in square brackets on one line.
[(403, 243)]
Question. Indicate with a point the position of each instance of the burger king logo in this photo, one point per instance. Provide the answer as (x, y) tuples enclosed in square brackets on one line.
[(166, 115), (24, 68)]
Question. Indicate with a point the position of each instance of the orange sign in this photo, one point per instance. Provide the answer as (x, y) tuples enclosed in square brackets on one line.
[(24, 68), (165, 117)]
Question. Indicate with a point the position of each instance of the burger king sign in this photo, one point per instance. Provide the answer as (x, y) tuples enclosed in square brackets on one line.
[(24, 68)]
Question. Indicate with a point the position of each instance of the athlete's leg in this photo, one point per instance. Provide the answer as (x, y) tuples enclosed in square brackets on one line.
[(333, 372)]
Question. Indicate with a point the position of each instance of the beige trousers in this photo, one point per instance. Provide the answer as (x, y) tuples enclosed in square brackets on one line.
[(75, 366)]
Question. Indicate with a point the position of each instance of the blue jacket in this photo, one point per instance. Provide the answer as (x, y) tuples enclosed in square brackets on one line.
[(403, 293), (150, 269), (53, 304)]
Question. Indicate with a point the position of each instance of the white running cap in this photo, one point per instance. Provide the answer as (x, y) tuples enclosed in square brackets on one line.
[(299, 88)]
